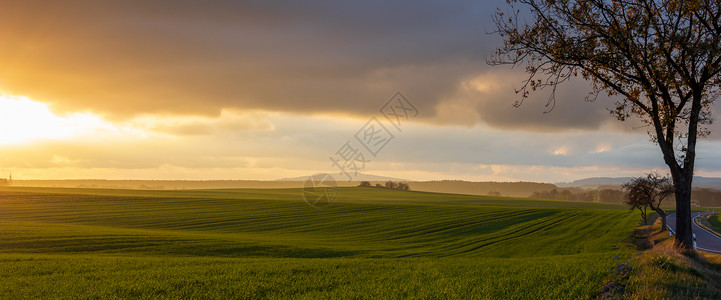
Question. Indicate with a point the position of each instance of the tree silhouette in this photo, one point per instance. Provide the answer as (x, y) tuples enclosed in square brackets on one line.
[(649, 191), (642, 206), (364, 184), (661, 58)]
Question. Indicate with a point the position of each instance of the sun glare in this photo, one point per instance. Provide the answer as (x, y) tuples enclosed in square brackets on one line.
[(23, 120)]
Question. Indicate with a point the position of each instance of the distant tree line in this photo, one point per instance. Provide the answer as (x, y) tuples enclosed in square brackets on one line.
[(513, 189), (602, 195), (700, 196), (706, 197), (388, 185)]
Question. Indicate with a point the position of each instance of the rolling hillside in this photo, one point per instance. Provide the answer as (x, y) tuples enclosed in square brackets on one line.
[(269, 243)]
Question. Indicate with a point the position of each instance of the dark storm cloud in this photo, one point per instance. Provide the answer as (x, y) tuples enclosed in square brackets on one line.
[(570, 110), (196, 57)]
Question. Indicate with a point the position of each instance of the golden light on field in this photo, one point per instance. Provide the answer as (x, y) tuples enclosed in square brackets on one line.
[(23, 120)]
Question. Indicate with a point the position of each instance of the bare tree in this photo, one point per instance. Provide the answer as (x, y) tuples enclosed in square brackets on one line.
[(662, 59), (649, 191), (637, 203)]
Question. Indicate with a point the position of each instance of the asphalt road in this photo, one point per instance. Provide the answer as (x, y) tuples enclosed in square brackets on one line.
[(705, 240)]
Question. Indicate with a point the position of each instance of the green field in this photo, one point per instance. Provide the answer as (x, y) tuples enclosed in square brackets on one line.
[(715, 222), (251, 243)]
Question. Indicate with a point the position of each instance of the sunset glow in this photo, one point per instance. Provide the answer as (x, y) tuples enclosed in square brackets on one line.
[(24, 121), (225, 91), (497, 149)]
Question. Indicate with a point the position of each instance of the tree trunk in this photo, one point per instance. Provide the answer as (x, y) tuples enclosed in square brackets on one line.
[(643, 215), (662, 215), (684, 235), (683, 177)]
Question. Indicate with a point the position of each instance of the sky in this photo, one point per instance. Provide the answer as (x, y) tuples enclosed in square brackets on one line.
[(204, 90)]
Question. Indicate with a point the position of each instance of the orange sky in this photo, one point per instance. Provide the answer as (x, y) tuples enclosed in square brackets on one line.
[(257, 90)]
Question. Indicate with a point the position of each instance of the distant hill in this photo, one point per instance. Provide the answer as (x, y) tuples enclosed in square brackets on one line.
[(189, 184), (707, 182), (698, 181), (595, 182), (157, 184), (512, 189), (359, 177)]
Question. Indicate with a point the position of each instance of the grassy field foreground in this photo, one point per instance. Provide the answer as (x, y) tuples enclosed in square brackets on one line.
[(77, 243), (661, 271)]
